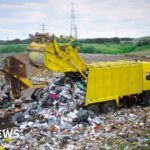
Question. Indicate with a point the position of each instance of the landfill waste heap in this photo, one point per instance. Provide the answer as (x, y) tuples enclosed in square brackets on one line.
[(59, 121), (60, 118)]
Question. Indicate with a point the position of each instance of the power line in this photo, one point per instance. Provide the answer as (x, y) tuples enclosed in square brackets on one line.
[(43, 28), (73, 26), (7, 38)]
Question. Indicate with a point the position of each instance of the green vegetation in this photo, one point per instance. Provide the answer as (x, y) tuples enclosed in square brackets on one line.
[(139, 46), (13, 48), (90, 48), (107, 48), (147, 38), (110, 48), (114, 45)]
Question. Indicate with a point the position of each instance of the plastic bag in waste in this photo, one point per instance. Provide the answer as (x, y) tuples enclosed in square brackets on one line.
[(18, 117), (82, 116)]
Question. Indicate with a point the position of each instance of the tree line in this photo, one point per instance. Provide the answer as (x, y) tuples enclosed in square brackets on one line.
[(114, 40)]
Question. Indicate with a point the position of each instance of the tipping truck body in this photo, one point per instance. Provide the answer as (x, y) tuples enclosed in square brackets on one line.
[(112, 84), (108, 83), (114, 80)]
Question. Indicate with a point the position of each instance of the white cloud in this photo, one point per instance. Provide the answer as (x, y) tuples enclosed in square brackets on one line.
[(97, 18)]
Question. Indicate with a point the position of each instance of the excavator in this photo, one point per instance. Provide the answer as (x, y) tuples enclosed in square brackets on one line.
[(108, 83)]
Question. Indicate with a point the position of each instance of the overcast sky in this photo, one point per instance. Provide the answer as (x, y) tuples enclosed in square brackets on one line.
[(95, 18)]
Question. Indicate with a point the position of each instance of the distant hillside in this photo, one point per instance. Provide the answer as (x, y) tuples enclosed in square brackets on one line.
[(141, 39), (114, 40)]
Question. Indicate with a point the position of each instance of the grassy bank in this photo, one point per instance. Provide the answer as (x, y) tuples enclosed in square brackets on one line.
[(13, 48), (112, 48), (89, 48)]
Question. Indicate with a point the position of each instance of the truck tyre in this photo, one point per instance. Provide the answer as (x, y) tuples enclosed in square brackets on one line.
[(94, 109), (146, 99), (39, 94), (108, 107)]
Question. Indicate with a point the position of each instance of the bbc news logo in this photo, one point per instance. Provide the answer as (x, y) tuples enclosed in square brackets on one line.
[(13, 133)]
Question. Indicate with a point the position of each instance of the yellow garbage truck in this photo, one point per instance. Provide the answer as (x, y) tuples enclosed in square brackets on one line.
[(109, 84)]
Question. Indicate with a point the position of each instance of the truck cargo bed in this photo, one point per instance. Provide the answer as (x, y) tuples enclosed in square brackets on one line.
[(113, 80)]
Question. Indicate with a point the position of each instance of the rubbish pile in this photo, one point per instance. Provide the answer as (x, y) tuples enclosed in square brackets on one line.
[(59, 110), (62, 99), (58, 121), (67, 91)]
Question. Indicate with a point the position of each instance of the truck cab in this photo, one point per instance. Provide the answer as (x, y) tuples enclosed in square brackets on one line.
[(146, 75)]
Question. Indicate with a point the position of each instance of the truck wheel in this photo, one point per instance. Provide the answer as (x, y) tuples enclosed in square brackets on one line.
[(39, 94), (146, 100), (108, 107), (94, 109)]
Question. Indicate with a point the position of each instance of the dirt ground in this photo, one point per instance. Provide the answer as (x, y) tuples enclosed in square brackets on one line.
[(103, 57), (88, 58)]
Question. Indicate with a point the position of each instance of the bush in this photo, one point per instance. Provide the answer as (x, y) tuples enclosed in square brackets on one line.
[(128, 48), (90, 49)]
